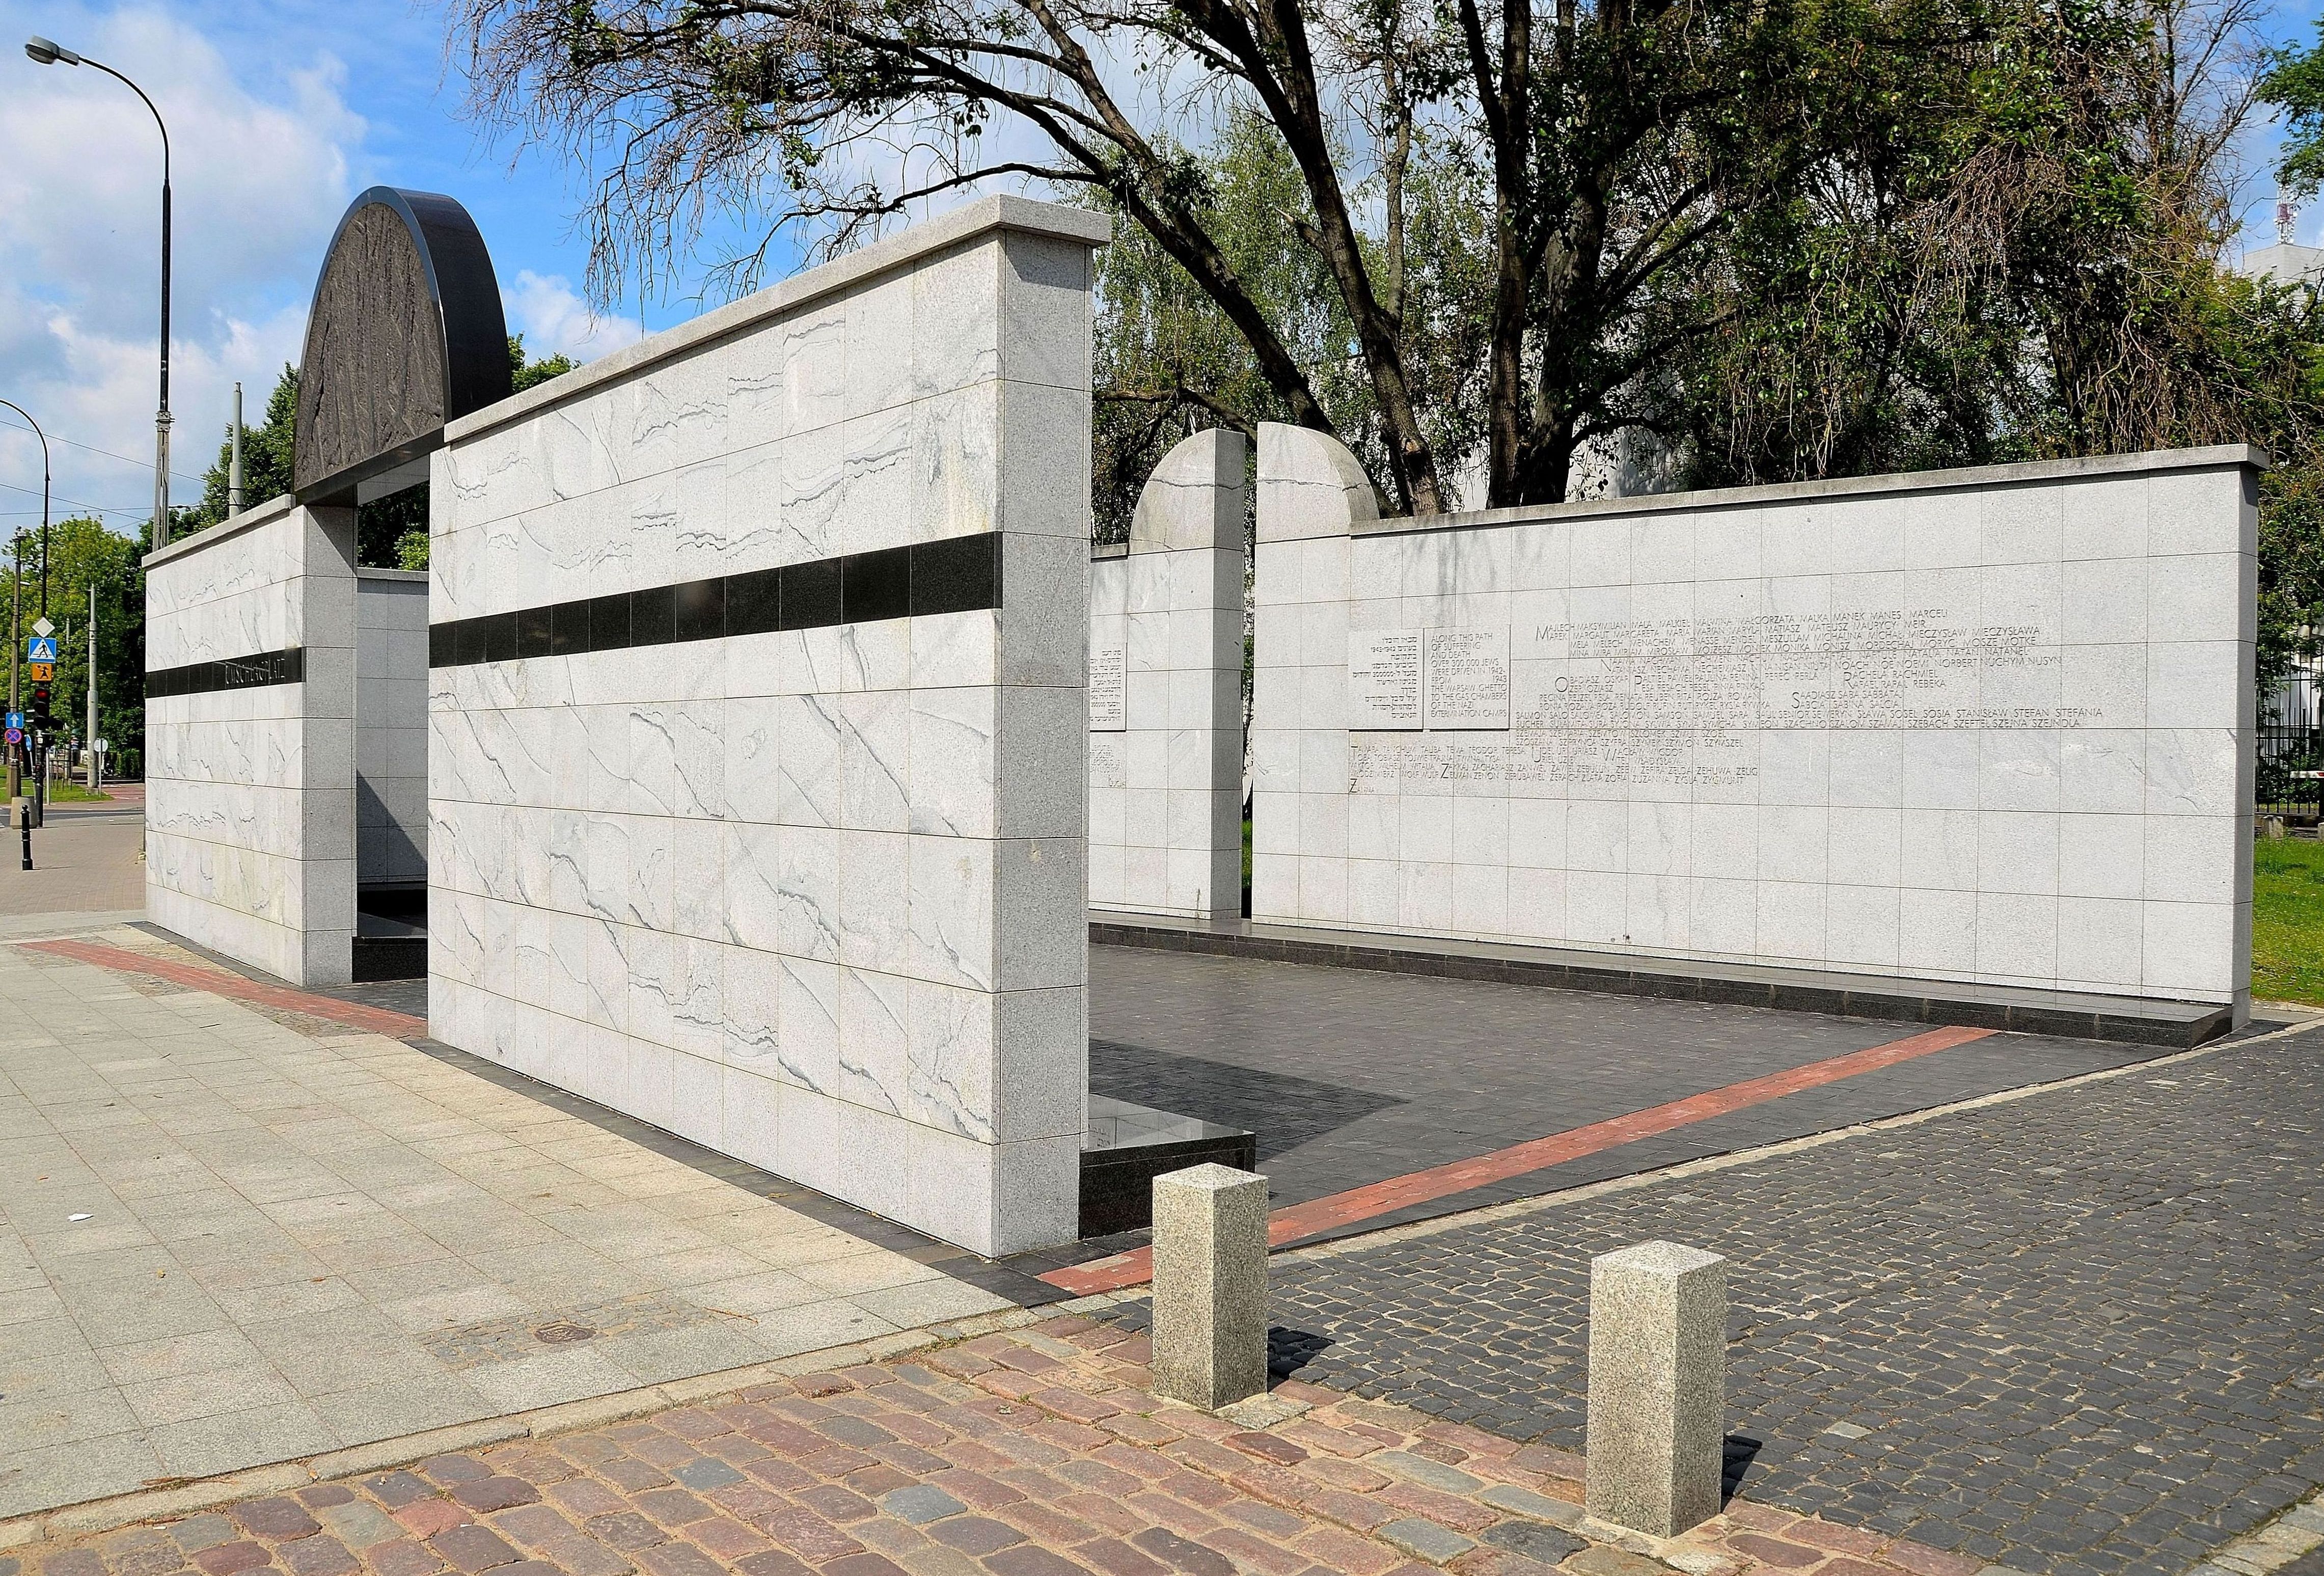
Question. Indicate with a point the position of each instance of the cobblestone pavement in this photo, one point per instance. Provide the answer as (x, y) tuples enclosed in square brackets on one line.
[(226, 1239), (1023, 1452), (2073, 1332)]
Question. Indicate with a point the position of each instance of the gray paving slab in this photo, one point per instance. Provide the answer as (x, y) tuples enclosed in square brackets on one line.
[(230, 1241)]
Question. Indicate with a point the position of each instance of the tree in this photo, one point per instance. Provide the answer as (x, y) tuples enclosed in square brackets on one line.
[(83, 552), (1610, 145)]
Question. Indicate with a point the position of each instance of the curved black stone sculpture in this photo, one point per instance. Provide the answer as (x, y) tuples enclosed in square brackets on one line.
[(405, 335)]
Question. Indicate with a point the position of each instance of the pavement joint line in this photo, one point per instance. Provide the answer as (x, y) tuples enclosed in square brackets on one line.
[(1110, 1295), (1515, 1208), (2296, 1533), (176, 1498), (231, 986), (1288, 1225)]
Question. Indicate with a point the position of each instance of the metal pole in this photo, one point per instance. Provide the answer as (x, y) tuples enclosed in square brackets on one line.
[(17, 635), (15, 650), (234, 466), (90, 738), (46, 53)]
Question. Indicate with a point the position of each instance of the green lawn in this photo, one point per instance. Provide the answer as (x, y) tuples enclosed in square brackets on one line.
[(73, 793), (2288, 920)]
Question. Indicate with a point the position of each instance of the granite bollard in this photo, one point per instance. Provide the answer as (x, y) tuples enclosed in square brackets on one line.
[(1657, 1386), (1210, 1285)]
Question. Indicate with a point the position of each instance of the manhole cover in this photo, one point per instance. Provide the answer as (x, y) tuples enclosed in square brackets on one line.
[(564, 1332)]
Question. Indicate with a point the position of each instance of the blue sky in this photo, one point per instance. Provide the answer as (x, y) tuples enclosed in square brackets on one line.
[(279, 112)]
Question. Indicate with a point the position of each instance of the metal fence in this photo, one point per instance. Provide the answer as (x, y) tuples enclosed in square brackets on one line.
[(2291, 748)]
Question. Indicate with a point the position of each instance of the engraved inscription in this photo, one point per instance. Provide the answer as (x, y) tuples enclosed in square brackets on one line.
[(1906, 667), (1384, 669), (1109, 689), (1109, 761), (1468, 678)]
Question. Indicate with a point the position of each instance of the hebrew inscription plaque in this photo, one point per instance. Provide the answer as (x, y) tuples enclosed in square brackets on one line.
[(1109, 689), (1384, 670)]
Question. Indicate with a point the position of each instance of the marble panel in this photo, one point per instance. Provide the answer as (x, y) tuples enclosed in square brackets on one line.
[(1876, 726), (815, 896)]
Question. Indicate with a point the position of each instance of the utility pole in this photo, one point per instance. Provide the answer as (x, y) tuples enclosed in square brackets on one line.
[(234, 466), (92, 737)]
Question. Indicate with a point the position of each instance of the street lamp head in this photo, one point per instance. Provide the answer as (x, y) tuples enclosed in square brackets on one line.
[(46, 53)]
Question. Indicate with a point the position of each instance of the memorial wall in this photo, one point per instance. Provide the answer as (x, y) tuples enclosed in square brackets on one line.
[(1991, 726), (390, 727), (758, 727), (250, 690), (1165, 756)]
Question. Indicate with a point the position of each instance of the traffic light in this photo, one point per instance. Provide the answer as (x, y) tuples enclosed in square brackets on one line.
[(37, 714)]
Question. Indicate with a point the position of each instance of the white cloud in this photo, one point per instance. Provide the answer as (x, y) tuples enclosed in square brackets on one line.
[(259, 172), (555, 320)]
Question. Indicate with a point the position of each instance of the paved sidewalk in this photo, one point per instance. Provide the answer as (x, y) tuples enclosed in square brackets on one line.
[(227, 1238), (1026, 1452), (2075, 1332), (85, 861)]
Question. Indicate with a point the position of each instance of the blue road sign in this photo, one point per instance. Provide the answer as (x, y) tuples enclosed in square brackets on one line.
[(15, 719), (39, 648), (15, 735)]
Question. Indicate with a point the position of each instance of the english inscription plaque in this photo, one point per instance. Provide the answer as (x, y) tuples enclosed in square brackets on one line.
[(1468, 678)]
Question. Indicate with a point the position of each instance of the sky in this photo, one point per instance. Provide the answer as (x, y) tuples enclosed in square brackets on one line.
[(279, 112)]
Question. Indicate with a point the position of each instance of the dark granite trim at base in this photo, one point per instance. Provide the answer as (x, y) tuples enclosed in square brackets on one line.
[(1118, 1184), (2124, 1019), (390, 957)]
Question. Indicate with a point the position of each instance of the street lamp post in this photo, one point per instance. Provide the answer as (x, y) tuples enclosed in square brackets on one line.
[(43, 52), (17, 616)]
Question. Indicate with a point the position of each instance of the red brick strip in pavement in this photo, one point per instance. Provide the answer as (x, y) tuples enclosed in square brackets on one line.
[(1373, 1199), (1031, 1452), (220, 982)]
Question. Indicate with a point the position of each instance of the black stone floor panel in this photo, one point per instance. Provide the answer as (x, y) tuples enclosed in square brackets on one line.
[(1350, 1076)]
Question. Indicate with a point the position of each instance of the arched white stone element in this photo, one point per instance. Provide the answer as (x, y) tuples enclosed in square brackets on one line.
[(1309, 485), (1194, 498), (1165, 703)]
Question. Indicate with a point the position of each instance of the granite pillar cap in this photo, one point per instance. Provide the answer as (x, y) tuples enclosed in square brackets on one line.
[(1210, 1176), (1658, 1257)]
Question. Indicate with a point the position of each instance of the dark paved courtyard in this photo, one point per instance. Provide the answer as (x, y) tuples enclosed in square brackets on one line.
[(2075, 1332), (1349, 1077)]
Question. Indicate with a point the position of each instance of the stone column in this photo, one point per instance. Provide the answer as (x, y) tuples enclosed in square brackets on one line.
[(1210, 1285), (1657, 1386), (1312, 492), (1166, 714), (325, 769)]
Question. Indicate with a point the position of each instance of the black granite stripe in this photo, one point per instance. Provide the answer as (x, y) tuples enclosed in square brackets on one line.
[(253, 672), (959, 574)]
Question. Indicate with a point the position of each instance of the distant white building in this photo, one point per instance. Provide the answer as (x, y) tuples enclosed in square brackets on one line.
[(2285, 264)]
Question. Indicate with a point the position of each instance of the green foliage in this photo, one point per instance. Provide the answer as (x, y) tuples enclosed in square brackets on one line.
[(81, 553), (2288, 920)]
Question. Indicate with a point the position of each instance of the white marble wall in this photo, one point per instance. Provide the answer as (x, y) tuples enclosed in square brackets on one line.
[(1165, 713), (391, 725), (815, 898), (249, 793), (1991, 726)]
